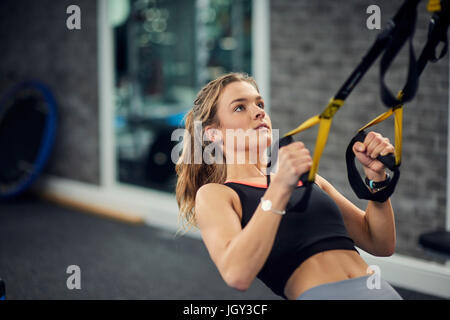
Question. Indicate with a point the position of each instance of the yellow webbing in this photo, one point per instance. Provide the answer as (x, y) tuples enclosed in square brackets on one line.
[(324, 120), (398, 120), (434, 6)]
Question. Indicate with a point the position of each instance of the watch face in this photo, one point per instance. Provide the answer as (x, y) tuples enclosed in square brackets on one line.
[(266, 205)]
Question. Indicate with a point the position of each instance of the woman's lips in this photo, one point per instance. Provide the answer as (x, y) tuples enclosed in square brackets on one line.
[(263, 126)]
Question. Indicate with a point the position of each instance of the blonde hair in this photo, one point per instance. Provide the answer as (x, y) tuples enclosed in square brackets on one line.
[(191, 176)]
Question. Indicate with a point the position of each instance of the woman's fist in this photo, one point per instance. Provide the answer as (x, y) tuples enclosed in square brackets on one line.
[(293, 160), (373, 146)]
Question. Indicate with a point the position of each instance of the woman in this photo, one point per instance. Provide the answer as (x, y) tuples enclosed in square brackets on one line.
[(299, 255)]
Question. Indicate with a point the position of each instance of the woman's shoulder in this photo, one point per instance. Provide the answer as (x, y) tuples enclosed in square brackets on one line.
[(216, 193), (212, 188), (212, 191)]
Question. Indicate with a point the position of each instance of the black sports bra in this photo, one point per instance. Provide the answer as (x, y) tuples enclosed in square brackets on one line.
[(300, 235)]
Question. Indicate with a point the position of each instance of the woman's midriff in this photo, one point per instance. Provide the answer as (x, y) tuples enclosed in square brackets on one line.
[(325, 267)]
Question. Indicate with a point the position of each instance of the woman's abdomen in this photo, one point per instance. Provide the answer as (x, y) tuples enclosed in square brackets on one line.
[(325, 267)]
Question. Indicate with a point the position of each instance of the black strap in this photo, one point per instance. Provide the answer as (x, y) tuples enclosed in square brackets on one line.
[(378, 184), (274, 155), (366, 62), (403, 25), (437, 33)]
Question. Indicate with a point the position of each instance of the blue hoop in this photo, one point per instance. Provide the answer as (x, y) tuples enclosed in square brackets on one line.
[(48, 137)]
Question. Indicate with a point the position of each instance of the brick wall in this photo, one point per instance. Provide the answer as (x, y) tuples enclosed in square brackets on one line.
[(36, 44), (314, 47)]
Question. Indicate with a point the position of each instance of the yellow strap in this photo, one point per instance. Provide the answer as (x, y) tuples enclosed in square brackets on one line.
[(324, 120), (330, 110), (434, 6), (398, 117), (378, 119), (398, 120), (305, 125), (332, 107), (322, 136)]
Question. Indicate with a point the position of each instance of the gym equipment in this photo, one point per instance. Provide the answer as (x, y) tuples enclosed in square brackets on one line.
[(27, 132), (399, 30), (437, 242), (437, 33)]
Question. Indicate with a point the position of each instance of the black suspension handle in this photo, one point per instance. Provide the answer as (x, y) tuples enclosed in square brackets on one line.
[(357, 183), (301, 204), (274, 157)]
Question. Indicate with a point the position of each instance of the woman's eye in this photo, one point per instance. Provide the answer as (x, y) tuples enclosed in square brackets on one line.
[(239, 106), (261, 105)]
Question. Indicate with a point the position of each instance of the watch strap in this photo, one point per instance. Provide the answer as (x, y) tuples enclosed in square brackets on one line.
[(378, 184), (282, 212)]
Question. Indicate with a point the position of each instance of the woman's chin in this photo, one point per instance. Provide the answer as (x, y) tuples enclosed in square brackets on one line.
[(265, 134)]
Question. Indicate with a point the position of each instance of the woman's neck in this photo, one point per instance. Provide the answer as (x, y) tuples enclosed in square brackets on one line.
[(246, 172)]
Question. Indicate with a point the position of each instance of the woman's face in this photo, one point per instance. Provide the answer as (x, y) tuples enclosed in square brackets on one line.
[(240, 112)]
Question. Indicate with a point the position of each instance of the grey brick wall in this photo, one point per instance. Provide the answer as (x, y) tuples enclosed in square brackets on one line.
[(314, 47), (36, 44)]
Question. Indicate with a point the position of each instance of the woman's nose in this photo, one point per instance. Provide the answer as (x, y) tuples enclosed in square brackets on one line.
[(258, 112)]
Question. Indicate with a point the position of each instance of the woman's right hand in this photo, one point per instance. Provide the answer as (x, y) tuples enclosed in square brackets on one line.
[(293, 161)]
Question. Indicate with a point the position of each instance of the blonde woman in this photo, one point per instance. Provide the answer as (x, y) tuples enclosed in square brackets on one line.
[(245, 225)]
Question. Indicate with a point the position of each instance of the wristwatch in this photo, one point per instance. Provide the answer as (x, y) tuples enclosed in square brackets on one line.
[(376, 186), (266, 205)]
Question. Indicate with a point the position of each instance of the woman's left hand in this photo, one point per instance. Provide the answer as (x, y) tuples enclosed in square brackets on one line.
[(374, 145)]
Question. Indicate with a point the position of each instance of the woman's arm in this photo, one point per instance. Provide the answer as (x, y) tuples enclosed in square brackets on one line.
[(372, 230), (239, 254)]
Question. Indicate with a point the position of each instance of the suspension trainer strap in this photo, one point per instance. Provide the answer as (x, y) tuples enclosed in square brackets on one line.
[(325, 118), (438, 28), (404, 22), (384, 39), (437, 33)]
